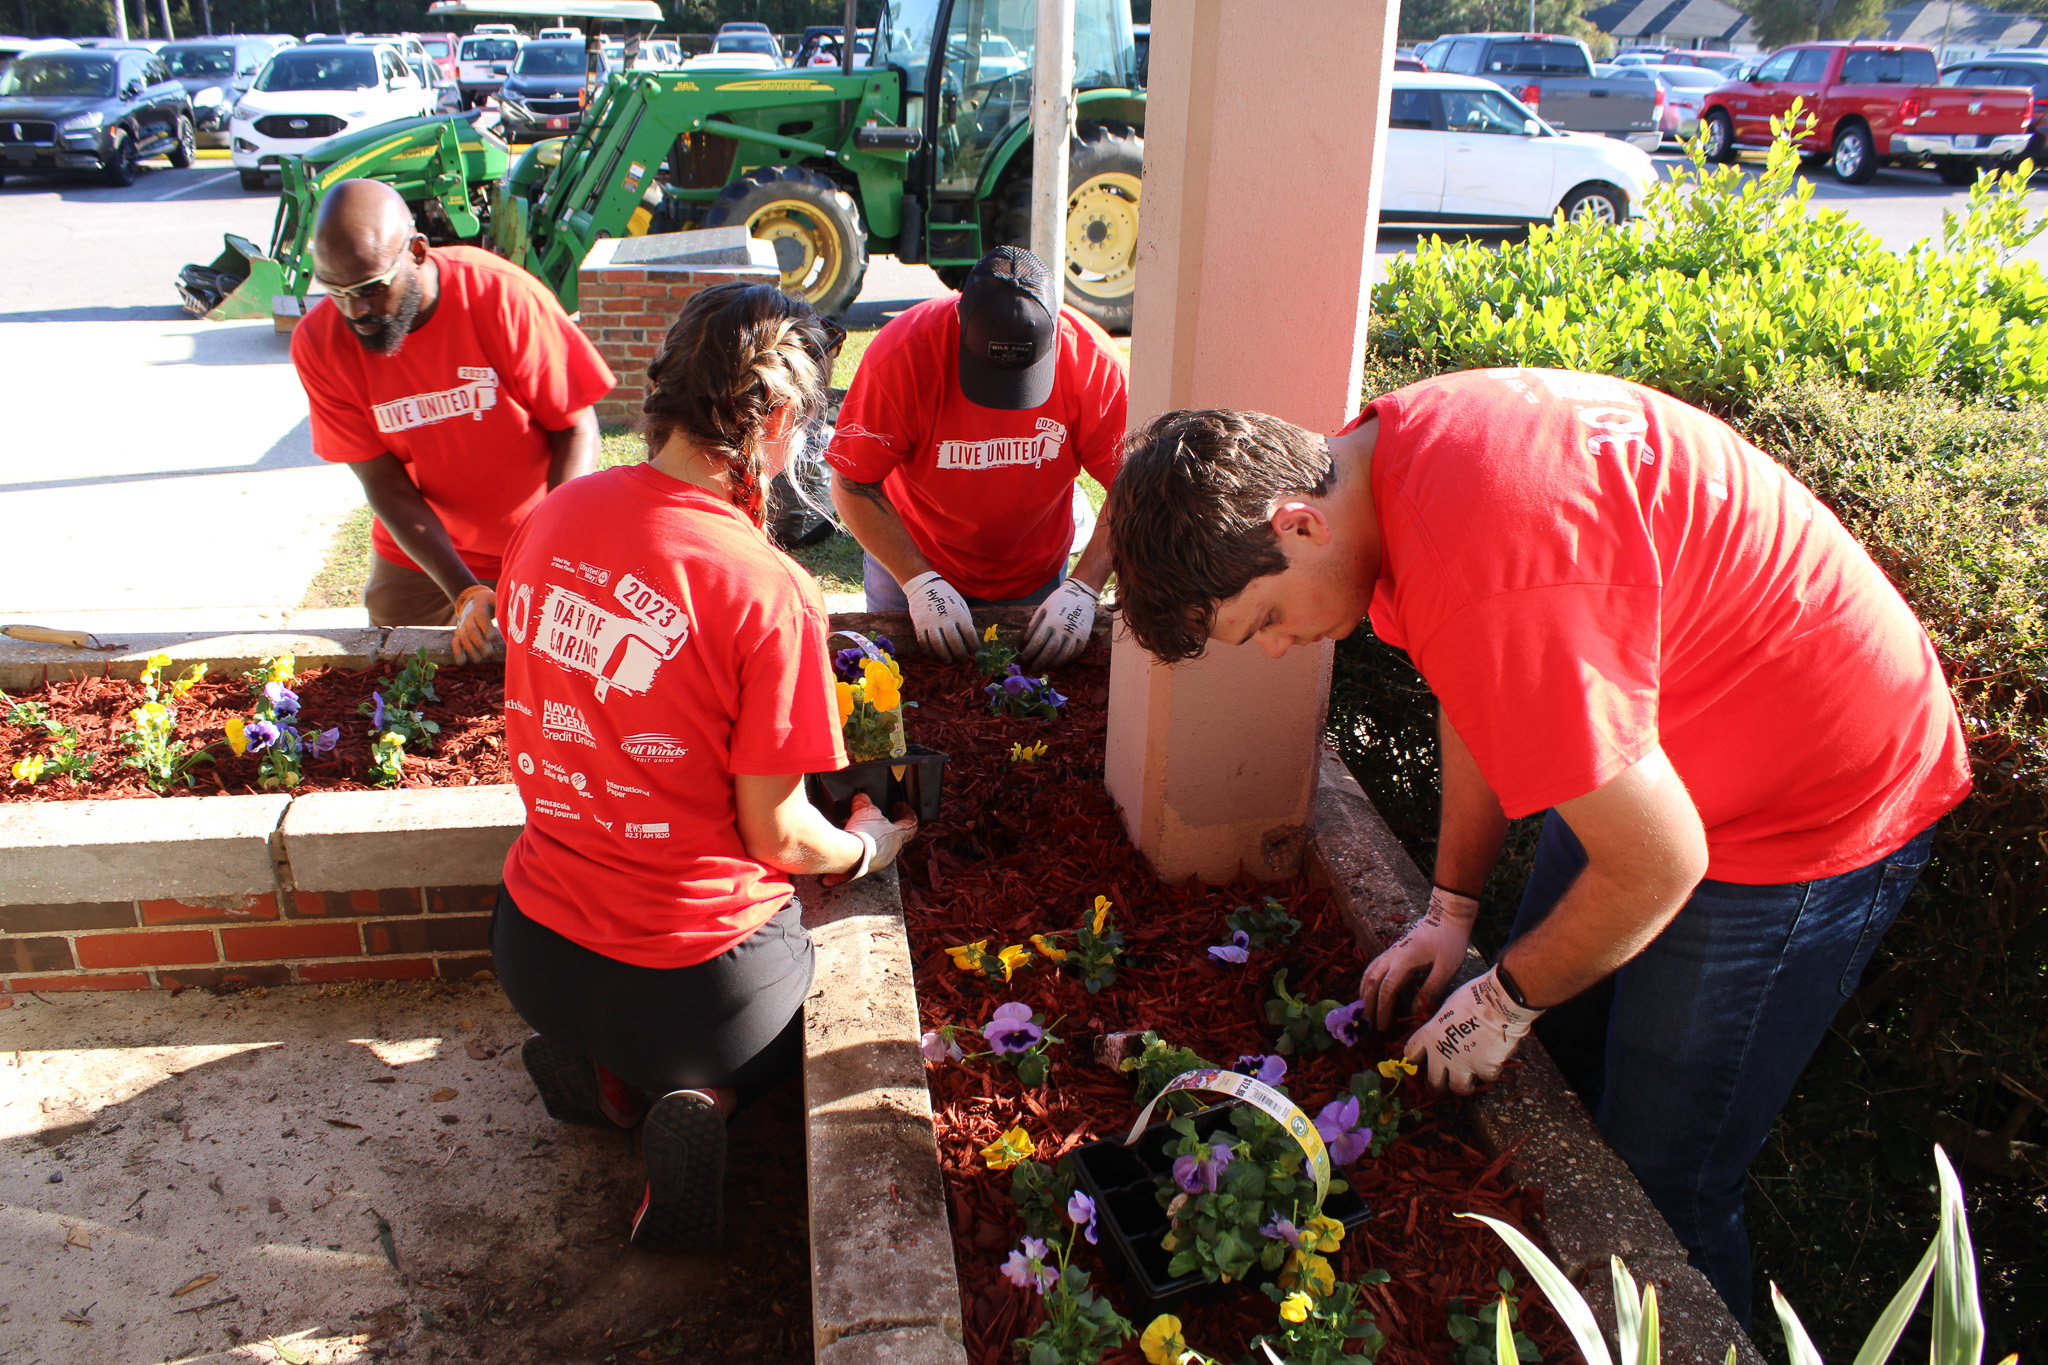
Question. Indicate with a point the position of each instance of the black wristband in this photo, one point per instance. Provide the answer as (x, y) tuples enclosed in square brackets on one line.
[(1508, 984)]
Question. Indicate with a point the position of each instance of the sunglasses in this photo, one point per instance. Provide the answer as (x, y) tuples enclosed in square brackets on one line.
[(372, 288), (835, 337)]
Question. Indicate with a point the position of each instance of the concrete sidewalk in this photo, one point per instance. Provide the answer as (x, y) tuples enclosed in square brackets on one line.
[(159, 466), (346, 1173)]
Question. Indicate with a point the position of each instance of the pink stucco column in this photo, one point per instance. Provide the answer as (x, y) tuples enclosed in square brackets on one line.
[(1256, 240)]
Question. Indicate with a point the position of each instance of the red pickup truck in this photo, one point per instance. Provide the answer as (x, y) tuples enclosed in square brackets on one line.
[(1875, 104)]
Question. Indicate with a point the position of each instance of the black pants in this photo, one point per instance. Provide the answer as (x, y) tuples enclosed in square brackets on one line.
[(734, 1021)]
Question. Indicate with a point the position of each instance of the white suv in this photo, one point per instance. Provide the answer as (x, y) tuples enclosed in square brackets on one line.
[(306, 95)]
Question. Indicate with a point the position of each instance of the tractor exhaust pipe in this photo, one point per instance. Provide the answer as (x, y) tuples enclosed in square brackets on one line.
[(848, 36)]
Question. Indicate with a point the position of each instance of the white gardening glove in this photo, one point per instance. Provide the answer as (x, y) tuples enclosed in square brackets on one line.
[(1471, 1036), (476, 634), (881, 837), (1059, 629), (940, 616), (1434, 944)]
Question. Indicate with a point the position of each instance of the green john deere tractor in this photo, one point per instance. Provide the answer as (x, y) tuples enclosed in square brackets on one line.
[(924, 153)]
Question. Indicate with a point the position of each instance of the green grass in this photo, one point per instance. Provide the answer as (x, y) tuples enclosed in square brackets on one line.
[(347, 566)]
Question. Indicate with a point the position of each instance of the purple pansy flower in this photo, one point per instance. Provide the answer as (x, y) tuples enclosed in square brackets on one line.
[(1010, 1029), (323, 741), (1281, 1230), (847, 661), (1199, 1174), (1347, 1023), (1237, 950), (261, 735), (1017, 684), (1081, 1210), (377, 712), (938, 1048), (1339, 1126), (882, 643), (281, 698), (1050, 697), (1026, 1267), (1269, 1069)]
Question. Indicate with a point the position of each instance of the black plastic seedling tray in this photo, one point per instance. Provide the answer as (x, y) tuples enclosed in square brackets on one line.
[(1124, 1183), (922, 783)]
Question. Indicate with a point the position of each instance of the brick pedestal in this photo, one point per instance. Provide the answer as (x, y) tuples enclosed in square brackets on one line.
[(631, 288)]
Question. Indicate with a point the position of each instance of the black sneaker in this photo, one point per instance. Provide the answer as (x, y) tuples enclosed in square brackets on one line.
[(567, 1082), (684, 1144)]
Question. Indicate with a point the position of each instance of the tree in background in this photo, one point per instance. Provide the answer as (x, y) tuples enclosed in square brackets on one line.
[(1779, 22), (1423, 21)]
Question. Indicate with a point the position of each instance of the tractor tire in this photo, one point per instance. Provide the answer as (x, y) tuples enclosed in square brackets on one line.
[(256, 180), (1105, 165), (813, 224), (1954, 172), (1596, 200), (119, 165), (181, 153), (1854, 159), (1721, 147)]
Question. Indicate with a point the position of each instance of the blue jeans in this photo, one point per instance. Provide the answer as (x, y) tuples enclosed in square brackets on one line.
[(886, 594), (1686, 1055)]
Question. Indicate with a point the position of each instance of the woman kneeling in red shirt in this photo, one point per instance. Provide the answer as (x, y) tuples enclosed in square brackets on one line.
[(667, 684)]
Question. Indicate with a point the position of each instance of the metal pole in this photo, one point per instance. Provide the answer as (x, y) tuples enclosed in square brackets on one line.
[(1052, 127), (163, 7), (121, 20), (847, 35)]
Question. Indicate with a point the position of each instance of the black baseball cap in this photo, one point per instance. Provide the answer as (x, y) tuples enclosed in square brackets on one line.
[(1009, 331)]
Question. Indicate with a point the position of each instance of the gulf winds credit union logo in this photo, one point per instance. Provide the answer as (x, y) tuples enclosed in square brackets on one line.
[(652, 748)]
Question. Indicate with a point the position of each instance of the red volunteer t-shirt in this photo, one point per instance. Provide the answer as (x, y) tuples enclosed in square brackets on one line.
[(655, 645), (986, 494), (1583, 568), (467, 403)]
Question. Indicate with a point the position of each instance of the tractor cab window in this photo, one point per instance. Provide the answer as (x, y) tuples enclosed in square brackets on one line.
[(985, 77)]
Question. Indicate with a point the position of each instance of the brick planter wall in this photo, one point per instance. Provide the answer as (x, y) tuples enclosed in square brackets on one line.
[(250, 940), (630, 289)]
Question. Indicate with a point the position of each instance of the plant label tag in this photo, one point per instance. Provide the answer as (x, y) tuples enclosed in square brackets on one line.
[(1260, 1096), (898, 745)]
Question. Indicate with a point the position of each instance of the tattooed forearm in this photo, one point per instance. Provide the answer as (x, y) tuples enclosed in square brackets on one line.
[(871, 491)]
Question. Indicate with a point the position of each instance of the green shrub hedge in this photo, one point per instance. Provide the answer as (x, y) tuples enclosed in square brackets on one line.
[(1901, 392)]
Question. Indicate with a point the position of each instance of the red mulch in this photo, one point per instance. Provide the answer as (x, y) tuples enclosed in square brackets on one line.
[(469, 750), (1024, 848)]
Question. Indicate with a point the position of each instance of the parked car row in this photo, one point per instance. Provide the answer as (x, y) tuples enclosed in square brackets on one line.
[(87, 109)]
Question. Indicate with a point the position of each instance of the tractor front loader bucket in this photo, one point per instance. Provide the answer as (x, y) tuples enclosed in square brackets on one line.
[(244, 280)]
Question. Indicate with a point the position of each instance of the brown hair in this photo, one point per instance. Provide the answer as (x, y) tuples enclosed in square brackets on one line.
[(1190, 517), (735, 354)]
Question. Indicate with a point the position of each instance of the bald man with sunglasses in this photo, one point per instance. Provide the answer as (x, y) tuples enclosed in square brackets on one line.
[(459, 392)]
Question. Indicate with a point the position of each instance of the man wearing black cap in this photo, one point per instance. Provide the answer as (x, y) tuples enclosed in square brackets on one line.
[(956, 454)]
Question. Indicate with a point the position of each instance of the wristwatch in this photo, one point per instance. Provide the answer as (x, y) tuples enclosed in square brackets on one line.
[(1510, 985)]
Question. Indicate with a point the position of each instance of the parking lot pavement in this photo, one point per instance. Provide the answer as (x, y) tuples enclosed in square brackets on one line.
[(154, 462)]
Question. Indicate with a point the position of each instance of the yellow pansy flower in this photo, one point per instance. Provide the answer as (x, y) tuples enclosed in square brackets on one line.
[(1395, 1067), (988, 637), (1051, 950), (1013, 957), (238, 736), (967, 957), (280, 669), (1009, 1149), (1320, 1277), (149, 712), (1294, 1308), (884, 686), (1322, 1234), (845, 694), (1102, 909), (159, 661), (1161, 1343), (29, 769)]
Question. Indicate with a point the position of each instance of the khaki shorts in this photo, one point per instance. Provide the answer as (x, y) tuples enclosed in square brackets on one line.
[(397, 596)]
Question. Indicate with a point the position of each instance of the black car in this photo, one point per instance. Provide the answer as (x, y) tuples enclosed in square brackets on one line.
[(215, 72), (543, 95), (101, 109), (2006, 68)]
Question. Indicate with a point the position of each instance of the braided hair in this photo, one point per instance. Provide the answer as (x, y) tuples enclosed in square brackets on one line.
[(735, 354)]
